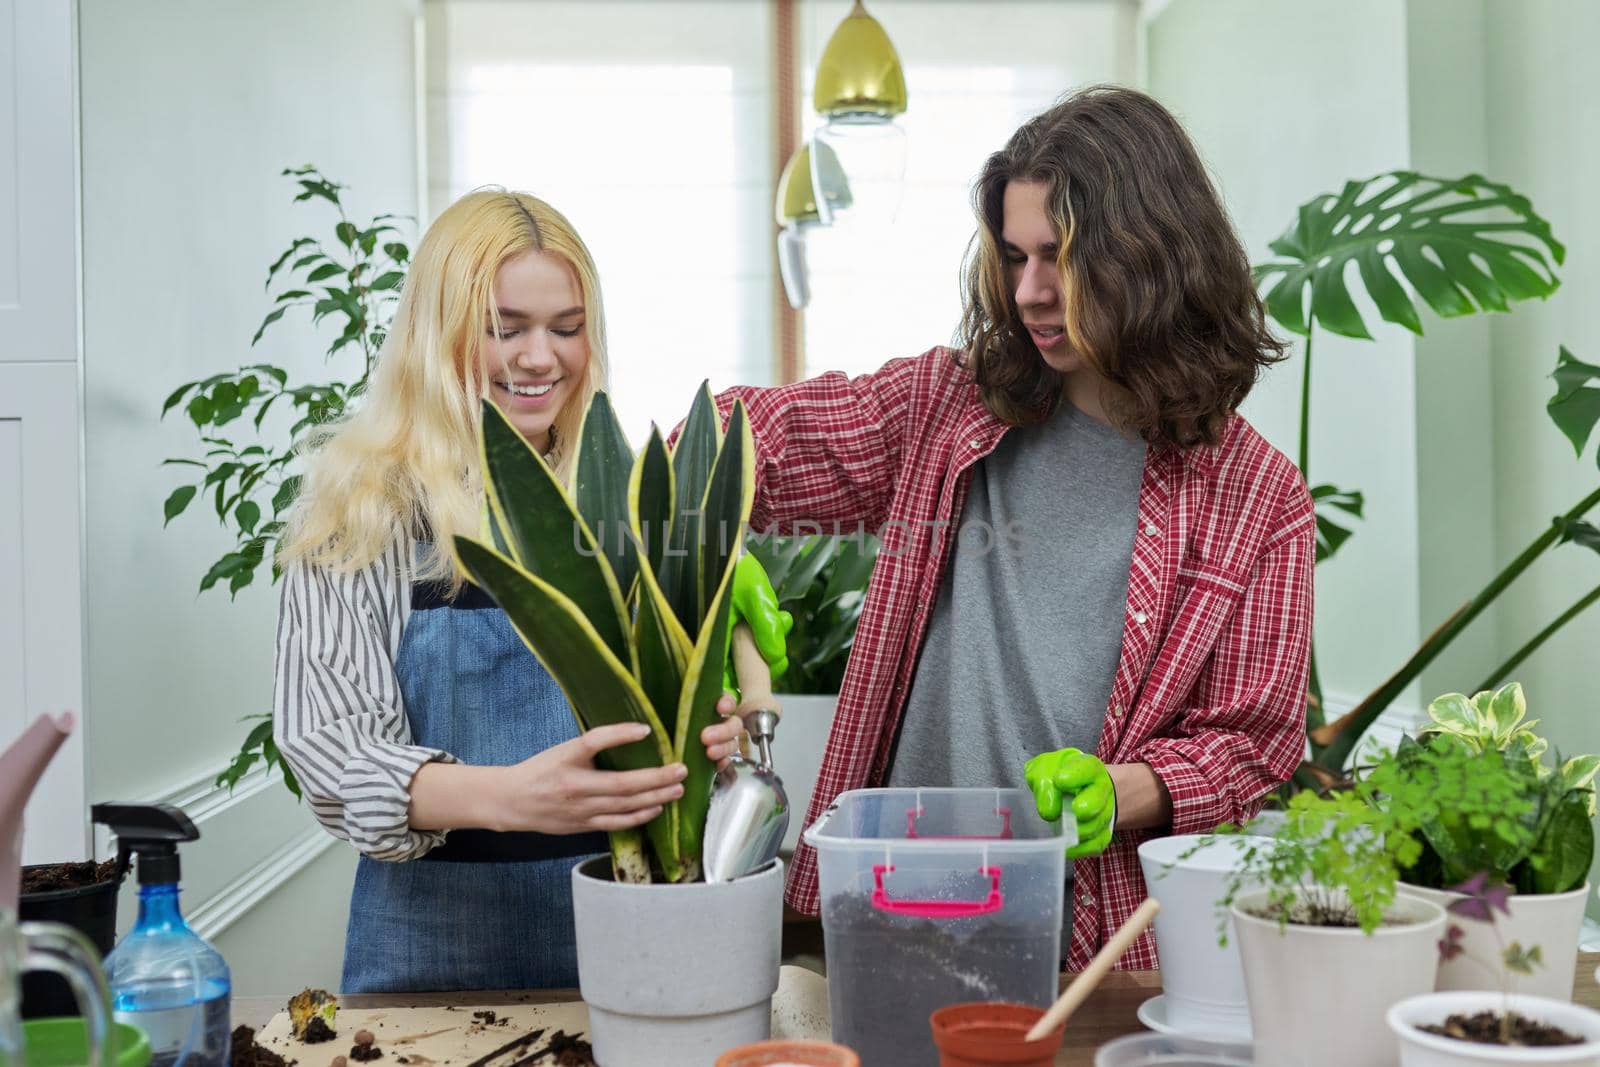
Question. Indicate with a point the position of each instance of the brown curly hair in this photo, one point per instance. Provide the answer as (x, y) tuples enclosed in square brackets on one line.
[(1159, 296)]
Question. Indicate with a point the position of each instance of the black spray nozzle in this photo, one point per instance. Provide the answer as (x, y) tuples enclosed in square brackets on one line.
[(150, 831)]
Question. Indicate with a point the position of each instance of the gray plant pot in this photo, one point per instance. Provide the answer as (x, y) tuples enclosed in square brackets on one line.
[(674, 975)]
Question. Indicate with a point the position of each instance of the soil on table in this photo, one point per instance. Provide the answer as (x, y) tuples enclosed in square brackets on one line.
[(246, 1053), (1483, 1028), (51, 877), (887, 973)]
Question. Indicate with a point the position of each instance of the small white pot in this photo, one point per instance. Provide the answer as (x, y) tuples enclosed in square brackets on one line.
[(1202, 982), (1551, 921), (1419, 1049), (1318, 994), (797, 747), (675, 975)]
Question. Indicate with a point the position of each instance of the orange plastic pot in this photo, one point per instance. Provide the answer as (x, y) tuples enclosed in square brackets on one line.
[(798, 1053), (991, 1034)]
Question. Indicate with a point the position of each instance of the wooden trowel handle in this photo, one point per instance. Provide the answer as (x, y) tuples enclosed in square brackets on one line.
[(754, 677)]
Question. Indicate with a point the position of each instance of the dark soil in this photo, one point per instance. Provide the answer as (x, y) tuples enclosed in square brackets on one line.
[(51, 877), (364, 1053), (246, 1053), (1483, 1028), (887, 973), (318, 1030)]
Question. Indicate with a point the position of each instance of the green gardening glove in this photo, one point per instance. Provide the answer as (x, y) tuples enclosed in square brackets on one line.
[(1082, 777), (756, 604)]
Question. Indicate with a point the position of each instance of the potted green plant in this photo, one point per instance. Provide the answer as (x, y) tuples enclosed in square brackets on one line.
[(1464, 1028), (1544, 871), (621, 586), (822, 582), (1328, 945)]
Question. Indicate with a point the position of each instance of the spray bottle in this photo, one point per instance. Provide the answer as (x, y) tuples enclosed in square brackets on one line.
[(164, 978)]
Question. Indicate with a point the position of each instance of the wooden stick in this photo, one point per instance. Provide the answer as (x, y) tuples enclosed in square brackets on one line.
[(1076, 993)]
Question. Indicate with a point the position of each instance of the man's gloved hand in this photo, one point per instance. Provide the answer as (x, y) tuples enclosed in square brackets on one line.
[(756, 604), (1069, 773)]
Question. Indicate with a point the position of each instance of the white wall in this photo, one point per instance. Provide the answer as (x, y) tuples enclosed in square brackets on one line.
[(1544, 138), (190, 108), (1286, 101)]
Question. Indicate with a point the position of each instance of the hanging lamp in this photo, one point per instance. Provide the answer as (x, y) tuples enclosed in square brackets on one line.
[(860, 90), (798, 212)]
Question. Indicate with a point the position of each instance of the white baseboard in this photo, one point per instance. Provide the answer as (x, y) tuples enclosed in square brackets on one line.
[(235, 899)]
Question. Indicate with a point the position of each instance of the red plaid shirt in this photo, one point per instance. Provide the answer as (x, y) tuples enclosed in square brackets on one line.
[(1210, 688)]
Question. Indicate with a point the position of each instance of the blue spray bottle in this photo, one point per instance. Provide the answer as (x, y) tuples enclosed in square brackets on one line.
[(164, 978)]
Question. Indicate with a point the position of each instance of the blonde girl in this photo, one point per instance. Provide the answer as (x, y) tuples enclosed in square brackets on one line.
[(421, 728)]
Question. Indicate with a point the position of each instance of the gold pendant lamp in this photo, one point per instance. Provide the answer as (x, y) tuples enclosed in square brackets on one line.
[(860, 90)]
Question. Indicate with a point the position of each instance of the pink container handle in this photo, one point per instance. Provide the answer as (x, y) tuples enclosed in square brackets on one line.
[(936, 909), (1004, 835)]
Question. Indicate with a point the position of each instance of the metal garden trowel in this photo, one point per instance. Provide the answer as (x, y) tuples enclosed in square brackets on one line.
[(749, 809)]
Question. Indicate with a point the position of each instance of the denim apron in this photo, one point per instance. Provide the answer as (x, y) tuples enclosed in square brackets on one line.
[(483, 910)]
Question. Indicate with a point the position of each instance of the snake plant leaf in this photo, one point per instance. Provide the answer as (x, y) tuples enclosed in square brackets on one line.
[(1463, 245), (650, 495), (730, 494), (600, 488), (1576, 406), (1331, 536), (599, 687), (664, 650), (549, 537), (490, 532), (692, 460), (697, 709)]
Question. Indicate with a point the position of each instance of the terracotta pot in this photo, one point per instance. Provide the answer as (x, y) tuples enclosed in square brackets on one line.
[(789, 1054), (990, 1033)]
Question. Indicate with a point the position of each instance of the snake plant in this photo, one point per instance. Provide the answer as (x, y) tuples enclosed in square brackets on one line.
[(622, 587)]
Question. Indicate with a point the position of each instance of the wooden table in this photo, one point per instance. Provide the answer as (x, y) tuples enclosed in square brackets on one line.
[(1110, 1011)]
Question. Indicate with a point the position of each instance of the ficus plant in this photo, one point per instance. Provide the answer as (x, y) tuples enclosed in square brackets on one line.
[(1458, 246), (247, 471), (351, 278), (622, 587)]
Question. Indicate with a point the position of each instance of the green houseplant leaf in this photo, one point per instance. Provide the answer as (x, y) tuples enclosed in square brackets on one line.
[(548, 536), (650, 499), (600, 488), (1576, 406), (692, 459), (1463, 245), (1330, 535), (1560, 861)]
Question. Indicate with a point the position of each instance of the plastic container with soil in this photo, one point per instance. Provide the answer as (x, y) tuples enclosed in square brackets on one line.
[(62, 1043), (934, 897), (991, 1035), (789, 1054), (80, 895)]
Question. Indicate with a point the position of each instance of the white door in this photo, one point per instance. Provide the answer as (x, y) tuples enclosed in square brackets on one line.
[(41, 585)]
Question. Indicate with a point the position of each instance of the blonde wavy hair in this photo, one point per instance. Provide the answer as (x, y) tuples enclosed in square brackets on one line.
[(405, 459)]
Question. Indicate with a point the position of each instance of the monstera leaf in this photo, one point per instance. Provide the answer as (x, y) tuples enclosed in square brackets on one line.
[(1462, 245), (1330, 534)]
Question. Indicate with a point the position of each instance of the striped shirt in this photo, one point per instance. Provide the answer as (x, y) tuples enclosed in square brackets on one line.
[(338, 717), (1210, 683)]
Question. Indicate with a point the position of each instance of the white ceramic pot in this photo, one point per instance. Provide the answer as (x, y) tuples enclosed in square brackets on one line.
[(1202, 982), (797, 754), (1419, 1049), (1318, 994), (1552, 921), (675, 975)]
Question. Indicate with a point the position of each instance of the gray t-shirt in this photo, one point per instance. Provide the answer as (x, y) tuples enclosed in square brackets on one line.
[(1024, 640)]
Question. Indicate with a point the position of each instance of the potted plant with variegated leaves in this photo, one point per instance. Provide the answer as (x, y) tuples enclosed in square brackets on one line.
[(622, 587), (1544, 871)]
